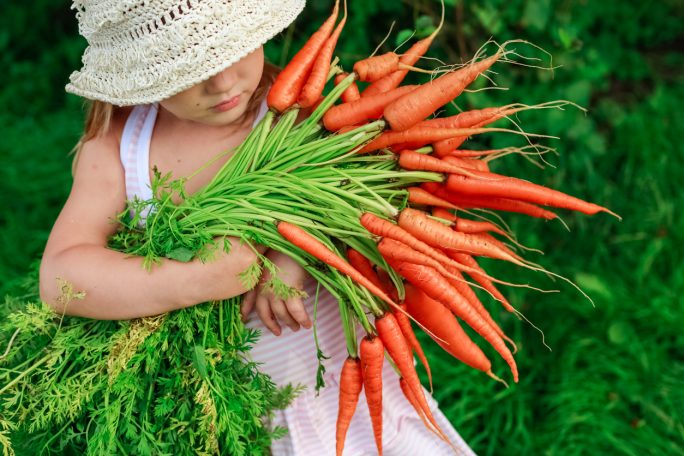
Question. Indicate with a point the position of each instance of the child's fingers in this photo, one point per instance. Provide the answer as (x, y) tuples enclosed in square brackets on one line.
[(248, 302), (281, 312), (263, 309), (296, 308)]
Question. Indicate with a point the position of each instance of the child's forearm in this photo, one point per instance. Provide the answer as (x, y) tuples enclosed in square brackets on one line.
[(118, 288)]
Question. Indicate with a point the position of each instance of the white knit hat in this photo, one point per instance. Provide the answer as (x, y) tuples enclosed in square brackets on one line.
[(144, 51)]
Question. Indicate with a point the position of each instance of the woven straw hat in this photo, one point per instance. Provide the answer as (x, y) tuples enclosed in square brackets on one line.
[(144, 51)]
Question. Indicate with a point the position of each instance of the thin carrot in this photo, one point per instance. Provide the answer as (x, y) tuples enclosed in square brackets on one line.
[(438, 288), (487, 284), (502, 204), (387, 229), (314, 247), (474, 118), (419, 196), (439, 235), (405, 326), (463, 153), (352, 92), (482, 117), (288, 85), (411, 398), (471, 118), (420, 135), (462, 287), (494, 241), (361, 110), (410, 109), (395, 344), (441, 322), (495, 185), (364, 266), (376, 67), (409, 159), (351, 383), (467, 226), (467, 163), (372, 352), (313, 88), (387, 284), (397, 251), (410, 57)]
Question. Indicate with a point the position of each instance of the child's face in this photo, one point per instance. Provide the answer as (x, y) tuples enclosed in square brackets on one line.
[(206, 102)]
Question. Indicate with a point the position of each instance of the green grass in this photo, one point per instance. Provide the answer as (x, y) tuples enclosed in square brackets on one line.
[(613, 382)]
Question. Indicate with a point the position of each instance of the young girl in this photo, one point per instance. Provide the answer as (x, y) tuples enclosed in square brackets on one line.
[(173, 83)]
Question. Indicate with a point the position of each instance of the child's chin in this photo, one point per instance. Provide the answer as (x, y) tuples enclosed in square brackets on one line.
[(225, 119)]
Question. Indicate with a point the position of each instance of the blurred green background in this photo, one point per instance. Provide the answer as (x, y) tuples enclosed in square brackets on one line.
[(614, 380)]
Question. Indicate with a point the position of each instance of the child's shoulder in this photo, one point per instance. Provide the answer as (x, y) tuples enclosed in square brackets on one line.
[(104, 148)]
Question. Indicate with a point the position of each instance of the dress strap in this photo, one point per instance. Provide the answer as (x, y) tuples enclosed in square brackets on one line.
[(135, 151)]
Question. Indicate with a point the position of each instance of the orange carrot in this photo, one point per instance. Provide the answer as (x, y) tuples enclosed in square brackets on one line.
[(396, 346), (467, 163), (496, 185), (444, 214), (351, 383), (352, 92), (476, 118), (405, 325), (465, 225), (365, 108), (410, 109), (411, 398), (374, 68), (463, 153), (364, 266), (438, 235), (465, 119), (438, 288), (487, 284), (419, 196), (502, 204), (313, 88), (387, 284), (372, 352), (314, 247), (397, 251), (442, 323), (288, 85), (419, 135), (412, 160), (464, 289), (497, 243), (409, 58), (384, 228)]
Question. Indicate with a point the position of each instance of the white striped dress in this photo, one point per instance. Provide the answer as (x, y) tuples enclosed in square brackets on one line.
[(291, 357)]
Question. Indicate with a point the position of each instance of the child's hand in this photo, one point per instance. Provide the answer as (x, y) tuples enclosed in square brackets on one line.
[(288, 311)]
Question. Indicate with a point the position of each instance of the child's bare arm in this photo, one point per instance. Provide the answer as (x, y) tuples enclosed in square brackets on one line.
[(116, 286)]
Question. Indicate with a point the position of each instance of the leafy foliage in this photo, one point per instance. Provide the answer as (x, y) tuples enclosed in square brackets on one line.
[(144, 386), (612, 383)]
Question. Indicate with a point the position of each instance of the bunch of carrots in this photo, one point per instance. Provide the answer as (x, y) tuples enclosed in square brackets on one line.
[(368, 194), (430, 250)]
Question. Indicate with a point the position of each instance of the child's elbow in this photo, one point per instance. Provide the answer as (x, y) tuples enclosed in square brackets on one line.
[(48, 286)]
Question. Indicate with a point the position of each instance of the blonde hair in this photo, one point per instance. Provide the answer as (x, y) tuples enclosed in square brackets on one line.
[(99, 116)]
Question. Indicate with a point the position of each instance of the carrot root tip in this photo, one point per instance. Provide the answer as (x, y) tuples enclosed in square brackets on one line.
[(498, 379)]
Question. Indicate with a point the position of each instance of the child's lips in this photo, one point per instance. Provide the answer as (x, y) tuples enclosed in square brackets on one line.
[(227, 104)]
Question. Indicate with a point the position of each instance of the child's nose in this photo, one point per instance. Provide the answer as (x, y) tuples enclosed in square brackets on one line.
[(223, 81)]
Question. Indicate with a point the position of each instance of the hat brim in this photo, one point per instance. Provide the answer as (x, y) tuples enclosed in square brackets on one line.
[(126, 76)]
